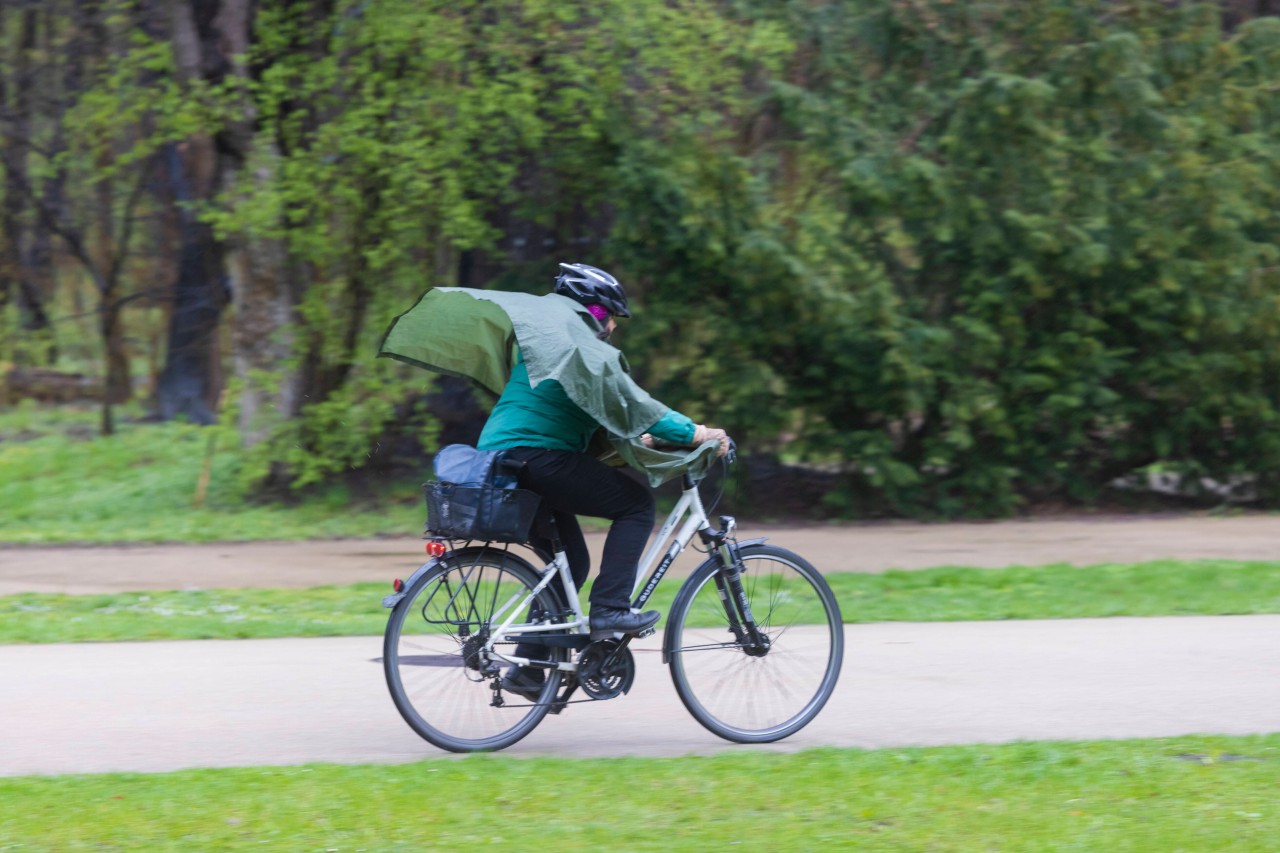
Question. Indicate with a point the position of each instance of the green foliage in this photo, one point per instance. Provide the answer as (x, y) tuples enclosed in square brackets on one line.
[(990, 252), (135, 106), (344, 432), (1201, 793), (971, 255), (397, 134)]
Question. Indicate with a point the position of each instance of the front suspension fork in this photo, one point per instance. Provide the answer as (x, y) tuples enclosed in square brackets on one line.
[(733, 595)]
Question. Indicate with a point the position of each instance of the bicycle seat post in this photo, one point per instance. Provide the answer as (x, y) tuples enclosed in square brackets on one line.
[(553, 533)]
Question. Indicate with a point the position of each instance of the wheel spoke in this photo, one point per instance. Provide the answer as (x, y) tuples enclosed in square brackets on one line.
[(758, 697), (439, 677)]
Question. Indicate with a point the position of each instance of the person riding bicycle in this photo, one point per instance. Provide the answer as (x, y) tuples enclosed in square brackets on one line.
[(541, 427)]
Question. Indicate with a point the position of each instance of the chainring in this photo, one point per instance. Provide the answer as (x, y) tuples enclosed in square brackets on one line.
[(606, 669)]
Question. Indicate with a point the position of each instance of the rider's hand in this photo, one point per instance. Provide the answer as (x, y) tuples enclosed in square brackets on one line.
[(705, 433), (646, 440)]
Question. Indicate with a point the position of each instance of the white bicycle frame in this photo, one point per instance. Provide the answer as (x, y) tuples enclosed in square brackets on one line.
[(688, 509)]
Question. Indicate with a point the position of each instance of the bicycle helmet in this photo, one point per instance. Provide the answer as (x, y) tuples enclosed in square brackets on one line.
[(592, 286)]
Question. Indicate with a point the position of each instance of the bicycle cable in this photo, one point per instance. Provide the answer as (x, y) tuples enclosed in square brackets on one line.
[(724, 461)]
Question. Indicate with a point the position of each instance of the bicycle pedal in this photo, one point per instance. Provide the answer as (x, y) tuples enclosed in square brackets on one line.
[(647, 632)]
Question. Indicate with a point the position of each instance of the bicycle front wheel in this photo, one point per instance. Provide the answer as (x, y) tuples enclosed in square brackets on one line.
[(442, 681), (754, 695)]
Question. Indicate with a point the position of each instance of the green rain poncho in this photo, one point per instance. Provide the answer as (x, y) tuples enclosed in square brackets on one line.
[(474, 334)]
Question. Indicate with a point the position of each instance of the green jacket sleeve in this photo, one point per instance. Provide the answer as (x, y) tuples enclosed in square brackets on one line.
[(673, 428)]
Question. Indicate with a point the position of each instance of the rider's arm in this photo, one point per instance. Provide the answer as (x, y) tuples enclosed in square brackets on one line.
[(673, 428)]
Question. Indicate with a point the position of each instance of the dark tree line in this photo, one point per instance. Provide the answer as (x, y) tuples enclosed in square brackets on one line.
[(962, 255)]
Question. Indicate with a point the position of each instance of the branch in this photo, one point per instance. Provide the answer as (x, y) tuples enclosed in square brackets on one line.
[(155, 294), (22, 139), (126, 228), (908, 142), (51, 220)]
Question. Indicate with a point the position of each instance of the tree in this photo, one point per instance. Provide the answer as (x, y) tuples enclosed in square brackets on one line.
[(97, 233), (25, 259), (400, 145), (965, 255), (206, 35), (1025, 247)]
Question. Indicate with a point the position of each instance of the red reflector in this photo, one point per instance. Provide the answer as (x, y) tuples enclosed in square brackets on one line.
[(397, 584), (436, 549)]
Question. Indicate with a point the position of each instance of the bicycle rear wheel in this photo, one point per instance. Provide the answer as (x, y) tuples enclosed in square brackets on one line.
[(440, 679), (756, 696)]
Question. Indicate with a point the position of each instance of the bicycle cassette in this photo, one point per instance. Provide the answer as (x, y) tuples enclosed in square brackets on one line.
[(606, 669)]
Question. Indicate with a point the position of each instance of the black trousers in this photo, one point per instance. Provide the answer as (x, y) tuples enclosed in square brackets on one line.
[(575, 484)]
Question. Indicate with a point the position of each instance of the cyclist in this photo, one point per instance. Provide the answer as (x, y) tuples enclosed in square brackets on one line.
[(542, 428)]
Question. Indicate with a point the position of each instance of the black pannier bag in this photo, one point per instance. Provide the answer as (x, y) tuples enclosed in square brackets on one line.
[(473, 498)]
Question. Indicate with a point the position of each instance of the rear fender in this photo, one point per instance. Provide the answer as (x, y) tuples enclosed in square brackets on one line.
[(459, 555), (394, 598)]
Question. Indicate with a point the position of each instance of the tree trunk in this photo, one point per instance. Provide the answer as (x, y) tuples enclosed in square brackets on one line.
[(267, 284), (10, 236), (103, 260), (17, 85), (47, 386), (10, 212), (116, 386), (265, 295), (40, 271), (191, 381)]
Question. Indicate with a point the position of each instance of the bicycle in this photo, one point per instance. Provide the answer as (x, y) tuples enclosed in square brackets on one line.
[(455, 621)]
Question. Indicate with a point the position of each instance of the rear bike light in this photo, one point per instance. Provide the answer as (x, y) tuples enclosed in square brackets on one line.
[(436, 548), (397, 584)]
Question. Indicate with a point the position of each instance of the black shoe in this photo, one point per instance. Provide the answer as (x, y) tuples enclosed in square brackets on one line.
[(607, 621), (524, 681)]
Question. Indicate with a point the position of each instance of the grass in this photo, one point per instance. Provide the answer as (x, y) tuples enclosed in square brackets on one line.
[(1060, 591), (1180, 794), (28, 420), (1164, 587), (142, 484), (194, 614)]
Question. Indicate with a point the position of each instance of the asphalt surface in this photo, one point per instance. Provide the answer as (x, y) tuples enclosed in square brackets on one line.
[(165, 706), (159, 706)]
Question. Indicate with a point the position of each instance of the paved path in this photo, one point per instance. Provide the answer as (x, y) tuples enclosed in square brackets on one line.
[(165, 706), (832, 548)]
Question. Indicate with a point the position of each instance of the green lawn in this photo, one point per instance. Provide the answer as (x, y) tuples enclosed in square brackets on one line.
[(143, 485), (1165, 587), (1180, 794)]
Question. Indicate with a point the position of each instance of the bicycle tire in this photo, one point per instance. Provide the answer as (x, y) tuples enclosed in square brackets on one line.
[(431, 634), (756, 699)]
